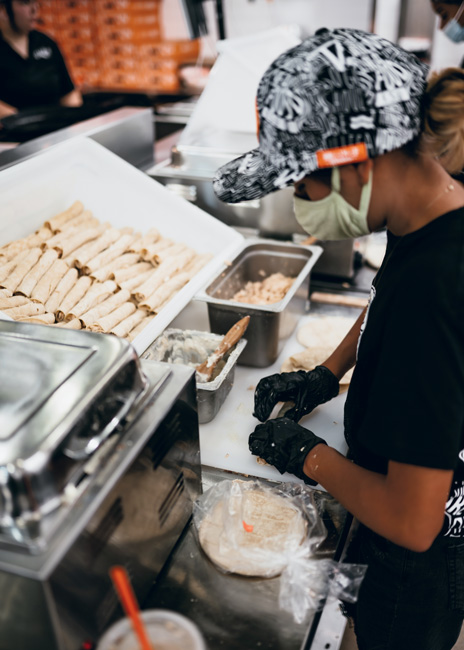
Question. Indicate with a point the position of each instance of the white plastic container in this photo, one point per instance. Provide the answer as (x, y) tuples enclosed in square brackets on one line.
[(80, 169), (166, 630)]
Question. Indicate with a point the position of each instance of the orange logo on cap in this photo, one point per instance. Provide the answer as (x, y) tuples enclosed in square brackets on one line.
[(352, 153)]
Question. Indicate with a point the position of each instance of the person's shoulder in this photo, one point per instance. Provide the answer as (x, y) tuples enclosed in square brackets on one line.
[(41, 39), (437, 259)]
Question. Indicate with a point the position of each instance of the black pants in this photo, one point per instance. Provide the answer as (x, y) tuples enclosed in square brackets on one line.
[(408, 600)]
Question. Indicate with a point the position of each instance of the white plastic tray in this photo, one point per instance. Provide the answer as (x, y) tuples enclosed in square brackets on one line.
[(117, 192)]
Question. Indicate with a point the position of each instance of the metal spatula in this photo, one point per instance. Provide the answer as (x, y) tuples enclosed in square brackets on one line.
[(235, 333)]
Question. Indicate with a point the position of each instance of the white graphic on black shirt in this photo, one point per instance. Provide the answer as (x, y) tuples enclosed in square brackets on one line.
[(364, 323), (42, 53), (454, 511)]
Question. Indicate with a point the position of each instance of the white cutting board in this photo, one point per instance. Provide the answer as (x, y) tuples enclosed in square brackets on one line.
[(224, 440)]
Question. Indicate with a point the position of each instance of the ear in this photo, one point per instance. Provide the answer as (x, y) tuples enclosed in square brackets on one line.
[(364, 169)]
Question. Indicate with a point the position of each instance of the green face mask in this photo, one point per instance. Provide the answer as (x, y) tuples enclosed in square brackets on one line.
[(333, 217)]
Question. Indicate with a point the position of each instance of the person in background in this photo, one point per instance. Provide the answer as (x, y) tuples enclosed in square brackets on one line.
[(451, 14), (33, 72), (369, 143)]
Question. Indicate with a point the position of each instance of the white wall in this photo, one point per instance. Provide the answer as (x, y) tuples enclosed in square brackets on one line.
[(244, 17), (387, 19)]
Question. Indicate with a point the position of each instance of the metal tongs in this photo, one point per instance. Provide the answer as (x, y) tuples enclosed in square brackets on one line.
[(235, 333)]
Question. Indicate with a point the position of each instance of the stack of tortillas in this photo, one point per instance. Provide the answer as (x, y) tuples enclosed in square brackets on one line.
[(320, 336), (252, 533)]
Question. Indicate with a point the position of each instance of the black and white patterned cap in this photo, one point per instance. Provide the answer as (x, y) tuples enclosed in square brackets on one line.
[(340, 96)]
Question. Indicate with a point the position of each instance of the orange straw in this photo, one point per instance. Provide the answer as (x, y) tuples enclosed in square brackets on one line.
[(129, 602)]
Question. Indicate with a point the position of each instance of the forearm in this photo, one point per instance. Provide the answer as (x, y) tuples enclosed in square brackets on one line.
[(72, 99), (6, 110), (344, 357), (376, 501)]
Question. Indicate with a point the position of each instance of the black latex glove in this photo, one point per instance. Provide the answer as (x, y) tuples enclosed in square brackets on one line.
[(284, 444), (306, 389)]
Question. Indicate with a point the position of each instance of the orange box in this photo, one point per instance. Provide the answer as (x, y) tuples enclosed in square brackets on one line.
[(126, 34), (76, 19), (116, 79), (128, 5), (158, 65), (76, 48), (128, 20), (78, 33), (47, 15), (48, 5), (139, 81), (87, 62), (124, 64), (85, 78), (78, 6), (45, 23), (164, 80), (180, 51), (118, 49)]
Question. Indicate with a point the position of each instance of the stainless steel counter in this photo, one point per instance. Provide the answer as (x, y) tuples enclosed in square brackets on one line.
[(232, 611), (127, 132), (237, 612)]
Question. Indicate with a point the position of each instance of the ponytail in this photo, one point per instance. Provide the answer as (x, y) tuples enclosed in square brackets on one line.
[(443, 133)]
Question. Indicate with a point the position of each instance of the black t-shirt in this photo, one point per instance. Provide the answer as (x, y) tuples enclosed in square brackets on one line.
[(40, 80), (406, 398)]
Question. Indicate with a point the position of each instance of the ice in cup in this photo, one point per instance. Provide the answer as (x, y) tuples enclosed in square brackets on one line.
[(167, 630)]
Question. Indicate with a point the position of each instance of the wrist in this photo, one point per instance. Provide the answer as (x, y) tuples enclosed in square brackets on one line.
[(311, 465), (330, 380)]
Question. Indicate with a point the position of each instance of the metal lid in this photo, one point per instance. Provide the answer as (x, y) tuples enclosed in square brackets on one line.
[(48, 377)]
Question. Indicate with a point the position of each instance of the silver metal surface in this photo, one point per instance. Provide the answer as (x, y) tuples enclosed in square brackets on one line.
[(127, 132), (337, 257), (188, 170), (191, 347), (62, 394), (183, 109), (189, 173), (270, 325), (49, 377), (233, 611), (330, 628), (134, 501)]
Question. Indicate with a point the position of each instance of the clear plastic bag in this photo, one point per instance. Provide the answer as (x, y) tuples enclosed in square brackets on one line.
[(251, 529)]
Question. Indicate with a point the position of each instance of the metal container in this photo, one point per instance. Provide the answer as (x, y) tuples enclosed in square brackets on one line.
[(86, 482), (190, 348), (270, 325), (189, 173), (57, 392), (127, 132)]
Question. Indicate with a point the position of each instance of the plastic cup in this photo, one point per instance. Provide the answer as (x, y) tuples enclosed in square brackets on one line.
[(166, 630)]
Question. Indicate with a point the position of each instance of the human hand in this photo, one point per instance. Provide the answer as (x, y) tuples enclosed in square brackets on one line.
[(306, 389), (284, 444)]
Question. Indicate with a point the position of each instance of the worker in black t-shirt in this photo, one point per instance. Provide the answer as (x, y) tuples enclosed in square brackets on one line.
[(32, 70), (369, 143)]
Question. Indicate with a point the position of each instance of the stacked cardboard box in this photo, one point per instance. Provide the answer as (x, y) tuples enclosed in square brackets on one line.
[(116, 44)]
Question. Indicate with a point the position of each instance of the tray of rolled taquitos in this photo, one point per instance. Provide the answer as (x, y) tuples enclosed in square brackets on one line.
[(88, 241)]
